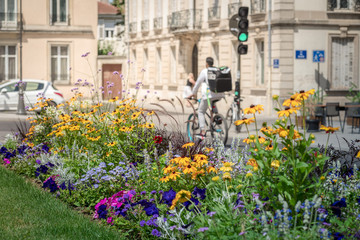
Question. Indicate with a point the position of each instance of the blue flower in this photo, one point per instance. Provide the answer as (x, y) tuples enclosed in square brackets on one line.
[(337, 205), (358, 199), (3, 150), (143, 193), (199, 193), (153, 192), (142, 223), (168, 197), (338, 236), (151, 210), (156, 233), (51, 184), (45, 148)]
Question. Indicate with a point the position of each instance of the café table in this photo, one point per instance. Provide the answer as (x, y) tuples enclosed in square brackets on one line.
[(340, 108)]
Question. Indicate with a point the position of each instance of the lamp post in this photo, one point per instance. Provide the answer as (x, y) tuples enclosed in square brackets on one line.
[(21, 104)]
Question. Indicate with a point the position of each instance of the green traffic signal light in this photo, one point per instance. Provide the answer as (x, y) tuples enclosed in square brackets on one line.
[(243, 37)]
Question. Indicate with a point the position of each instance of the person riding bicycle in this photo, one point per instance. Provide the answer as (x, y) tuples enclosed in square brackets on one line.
[(207, 95)]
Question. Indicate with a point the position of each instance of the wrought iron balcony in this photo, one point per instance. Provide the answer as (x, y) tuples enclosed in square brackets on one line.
[(258, 6), (233, 8), (9, 20), (157, 23), (185, 19), (214, 14), (351, 5), (132, 27), (145, 25)]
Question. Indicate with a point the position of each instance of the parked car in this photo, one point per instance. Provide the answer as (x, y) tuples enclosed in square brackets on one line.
[(9, 93)]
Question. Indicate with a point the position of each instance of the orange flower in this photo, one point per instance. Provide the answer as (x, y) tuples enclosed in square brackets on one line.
[(253, 109), (293, 102), (252, 162)]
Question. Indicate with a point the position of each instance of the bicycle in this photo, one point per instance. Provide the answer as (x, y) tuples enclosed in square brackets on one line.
[(215, 124), (235, 111)]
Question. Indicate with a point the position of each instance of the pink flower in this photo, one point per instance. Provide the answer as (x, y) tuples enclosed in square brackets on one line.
[(110, 220), (6, 161)]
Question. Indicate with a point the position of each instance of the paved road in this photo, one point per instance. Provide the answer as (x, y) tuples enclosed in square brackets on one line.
[(176, 122)]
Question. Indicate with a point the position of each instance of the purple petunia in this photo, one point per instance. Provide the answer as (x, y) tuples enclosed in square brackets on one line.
[(156, 233), (203, 229), (168, 197)]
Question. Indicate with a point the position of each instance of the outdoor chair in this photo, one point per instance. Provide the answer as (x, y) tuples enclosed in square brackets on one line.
[(320, 114), (354, 114), (332, 110)]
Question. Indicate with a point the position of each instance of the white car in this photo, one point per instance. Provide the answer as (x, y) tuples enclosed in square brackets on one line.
[(9, 93)]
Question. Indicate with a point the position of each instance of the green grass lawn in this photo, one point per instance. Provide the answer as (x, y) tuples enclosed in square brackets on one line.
[(27, 212)]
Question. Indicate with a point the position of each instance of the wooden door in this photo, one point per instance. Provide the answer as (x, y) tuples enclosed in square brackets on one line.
[(111, 81)]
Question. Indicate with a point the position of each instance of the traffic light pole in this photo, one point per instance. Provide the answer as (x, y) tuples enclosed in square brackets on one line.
[(21, 104)]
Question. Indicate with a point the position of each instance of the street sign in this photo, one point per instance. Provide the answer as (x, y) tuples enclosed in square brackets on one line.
[(318, 55), (300, 54), (276, 63)]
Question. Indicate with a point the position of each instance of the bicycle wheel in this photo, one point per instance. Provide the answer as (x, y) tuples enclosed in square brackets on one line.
[(219, 128), (231, 119), (192, 126)]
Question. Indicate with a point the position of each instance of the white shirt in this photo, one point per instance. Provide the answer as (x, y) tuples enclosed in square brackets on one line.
[(203, 82)]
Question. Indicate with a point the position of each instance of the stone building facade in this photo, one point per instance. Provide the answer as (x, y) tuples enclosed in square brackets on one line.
[(55, 36), (169, 38)]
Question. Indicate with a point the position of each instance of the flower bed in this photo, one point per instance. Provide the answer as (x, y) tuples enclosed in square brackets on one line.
[(114, 163)]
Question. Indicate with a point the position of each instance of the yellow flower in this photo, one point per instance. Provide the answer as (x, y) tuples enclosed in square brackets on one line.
[(135, 115), (183, 196), (174, 175), (189, 169), (148, 125), (261, 139), (227, 167), (329, 129), (209, 149), (292, 102), (239, 186), (253, 109), (244, 121), (186, 145), (211, 169), (302, 95), (169, 169), (322, 178), (268, 130), (275, 164), (114, 99), (164, 179), (358, 154), (216, 178), (184, 161), (200, 159), (275, 97), (269, 147), (226, 176), (249, 175), (252, 162), (151, 113)]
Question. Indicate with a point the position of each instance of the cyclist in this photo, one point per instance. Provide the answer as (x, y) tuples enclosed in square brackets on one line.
[(206, 95)]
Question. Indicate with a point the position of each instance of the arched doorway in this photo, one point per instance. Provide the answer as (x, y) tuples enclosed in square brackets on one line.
[(194, 60)]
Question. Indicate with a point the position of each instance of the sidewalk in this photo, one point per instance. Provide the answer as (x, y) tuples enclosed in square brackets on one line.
[(176, 121)]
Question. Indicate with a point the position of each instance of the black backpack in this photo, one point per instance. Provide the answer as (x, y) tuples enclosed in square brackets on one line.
[(219, 79)]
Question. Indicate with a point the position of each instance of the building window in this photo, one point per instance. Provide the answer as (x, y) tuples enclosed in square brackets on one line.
[(215, 51), (7, 11), (145, 66), (173, 64), (8, 61), (59, 11), (158, 65), (258, 6), (342, 63), (343, 5), (259, 67), (60, 63)]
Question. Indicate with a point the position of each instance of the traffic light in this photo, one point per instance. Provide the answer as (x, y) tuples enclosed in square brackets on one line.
[(243, 25)]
